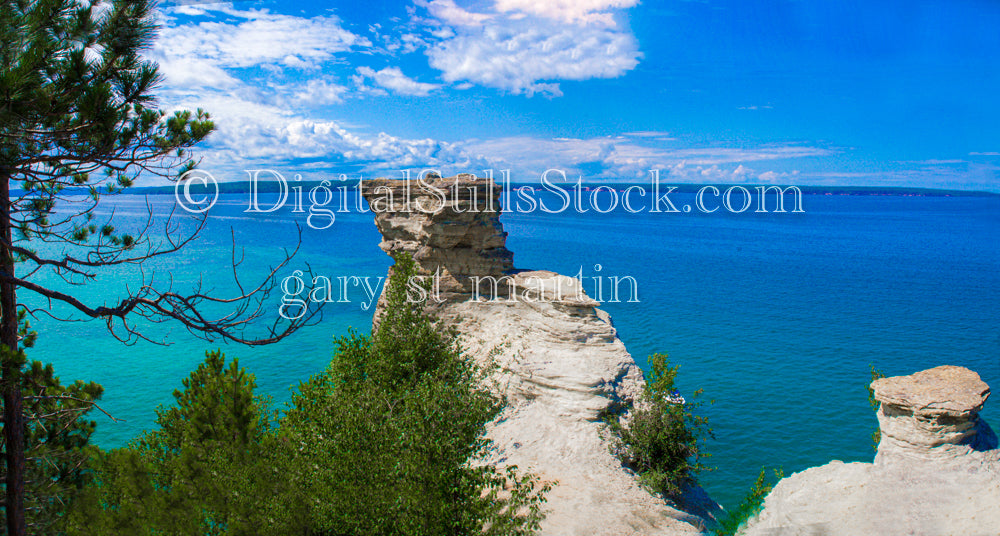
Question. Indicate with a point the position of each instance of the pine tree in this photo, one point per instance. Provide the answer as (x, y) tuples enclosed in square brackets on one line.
[(193, 473), (56, 443), (77, 114)]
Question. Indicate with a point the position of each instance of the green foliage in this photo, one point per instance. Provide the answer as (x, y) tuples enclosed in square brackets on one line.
[(751, 505), (56, 441), (185, 476), (75, 95), (393, 427), (56, 437), (217, 406), (661, 440), (877, 434), (76, 110), (384, 442)]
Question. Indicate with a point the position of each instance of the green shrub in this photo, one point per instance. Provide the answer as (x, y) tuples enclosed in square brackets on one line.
[(189, 475), (393, 429), (56, 439), (384, 442), (56, 435), (661, 440), (877, 434), (752, 504)]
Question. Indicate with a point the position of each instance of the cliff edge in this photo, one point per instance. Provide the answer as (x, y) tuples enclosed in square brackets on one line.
[(560, 362), (937, 470)]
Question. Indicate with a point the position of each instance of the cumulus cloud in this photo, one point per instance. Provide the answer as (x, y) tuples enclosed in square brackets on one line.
[(393, 79), (319, 91), (525, 57), (212, 56), (252, 134), (520, 46), (571, 11), (258, 37), (194, 72), (450, 13)]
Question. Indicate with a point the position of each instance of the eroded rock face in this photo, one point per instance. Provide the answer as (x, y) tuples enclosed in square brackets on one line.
[(450, 226), (560, 364), (937, 470), (933, 413)]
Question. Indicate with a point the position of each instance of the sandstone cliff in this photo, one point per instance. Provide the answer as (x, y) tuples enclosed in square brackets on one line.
[(560, 361), (937, 470)]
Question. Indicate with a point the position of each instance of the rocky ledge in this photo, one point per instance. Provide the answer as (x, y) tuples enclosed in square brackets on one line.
[(937, 470), (560, 362)]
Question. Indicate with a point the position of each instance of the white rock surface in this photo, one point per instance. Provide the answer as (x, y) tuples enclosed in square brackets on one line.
[(560, 363), (937, 471), (561, 366)]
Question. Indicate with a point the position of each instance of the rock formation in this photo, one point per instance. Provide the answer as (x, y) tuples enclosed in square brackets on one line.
[(937, 470), (450, 226), (560, 362), (932, 414)]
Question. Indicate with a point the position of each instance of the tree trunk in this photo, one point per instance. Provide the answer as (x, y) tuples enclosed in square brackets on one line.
[(13, 414)]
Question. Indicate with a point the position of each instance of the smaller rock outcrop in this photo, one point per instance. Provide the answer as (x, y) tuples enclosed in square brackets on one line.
[(937, 470), (933, 413)]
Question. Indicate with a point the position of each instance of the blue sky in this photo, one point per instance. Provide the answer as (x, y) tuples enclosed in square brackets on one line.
[(796, 92)]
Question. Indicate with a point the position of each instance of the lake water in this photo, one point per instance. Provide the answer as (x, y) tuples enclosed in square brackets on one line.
[(775, 316)]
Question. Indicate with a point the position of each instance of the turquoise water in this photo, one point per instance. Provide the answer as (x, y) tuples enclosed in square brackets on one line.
[(775, 316)]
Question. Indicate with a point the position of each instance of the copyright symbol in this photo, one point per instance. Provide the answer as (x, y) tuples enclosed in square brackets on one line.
[(182, 191)]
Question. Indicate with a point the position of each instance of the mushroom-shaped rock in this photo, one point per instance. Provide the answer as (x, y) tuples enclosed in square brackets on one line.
[(937, 470), (932, 413)]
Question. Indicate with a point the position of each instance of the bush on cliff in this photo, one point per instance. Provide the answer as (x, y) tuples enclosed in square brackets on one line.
[(751, 505), (660, 439), (384, 442), (875, 404), (392, 429)]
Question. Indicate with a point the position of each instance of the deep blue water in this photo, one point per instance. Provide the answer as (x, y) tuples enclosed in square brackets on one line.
[(775, 316)]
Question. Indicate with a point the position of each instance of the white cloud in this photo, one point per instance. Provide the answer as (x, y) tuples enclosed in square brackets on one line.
[(258, 37), (393, 79), (194, 72), (213, 61), (254, 135), (188, 10), (448, 12), (571, 11), (319, 91), (631, 157), (526, 57), (741, 172), (520, 46), (202, 64)]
